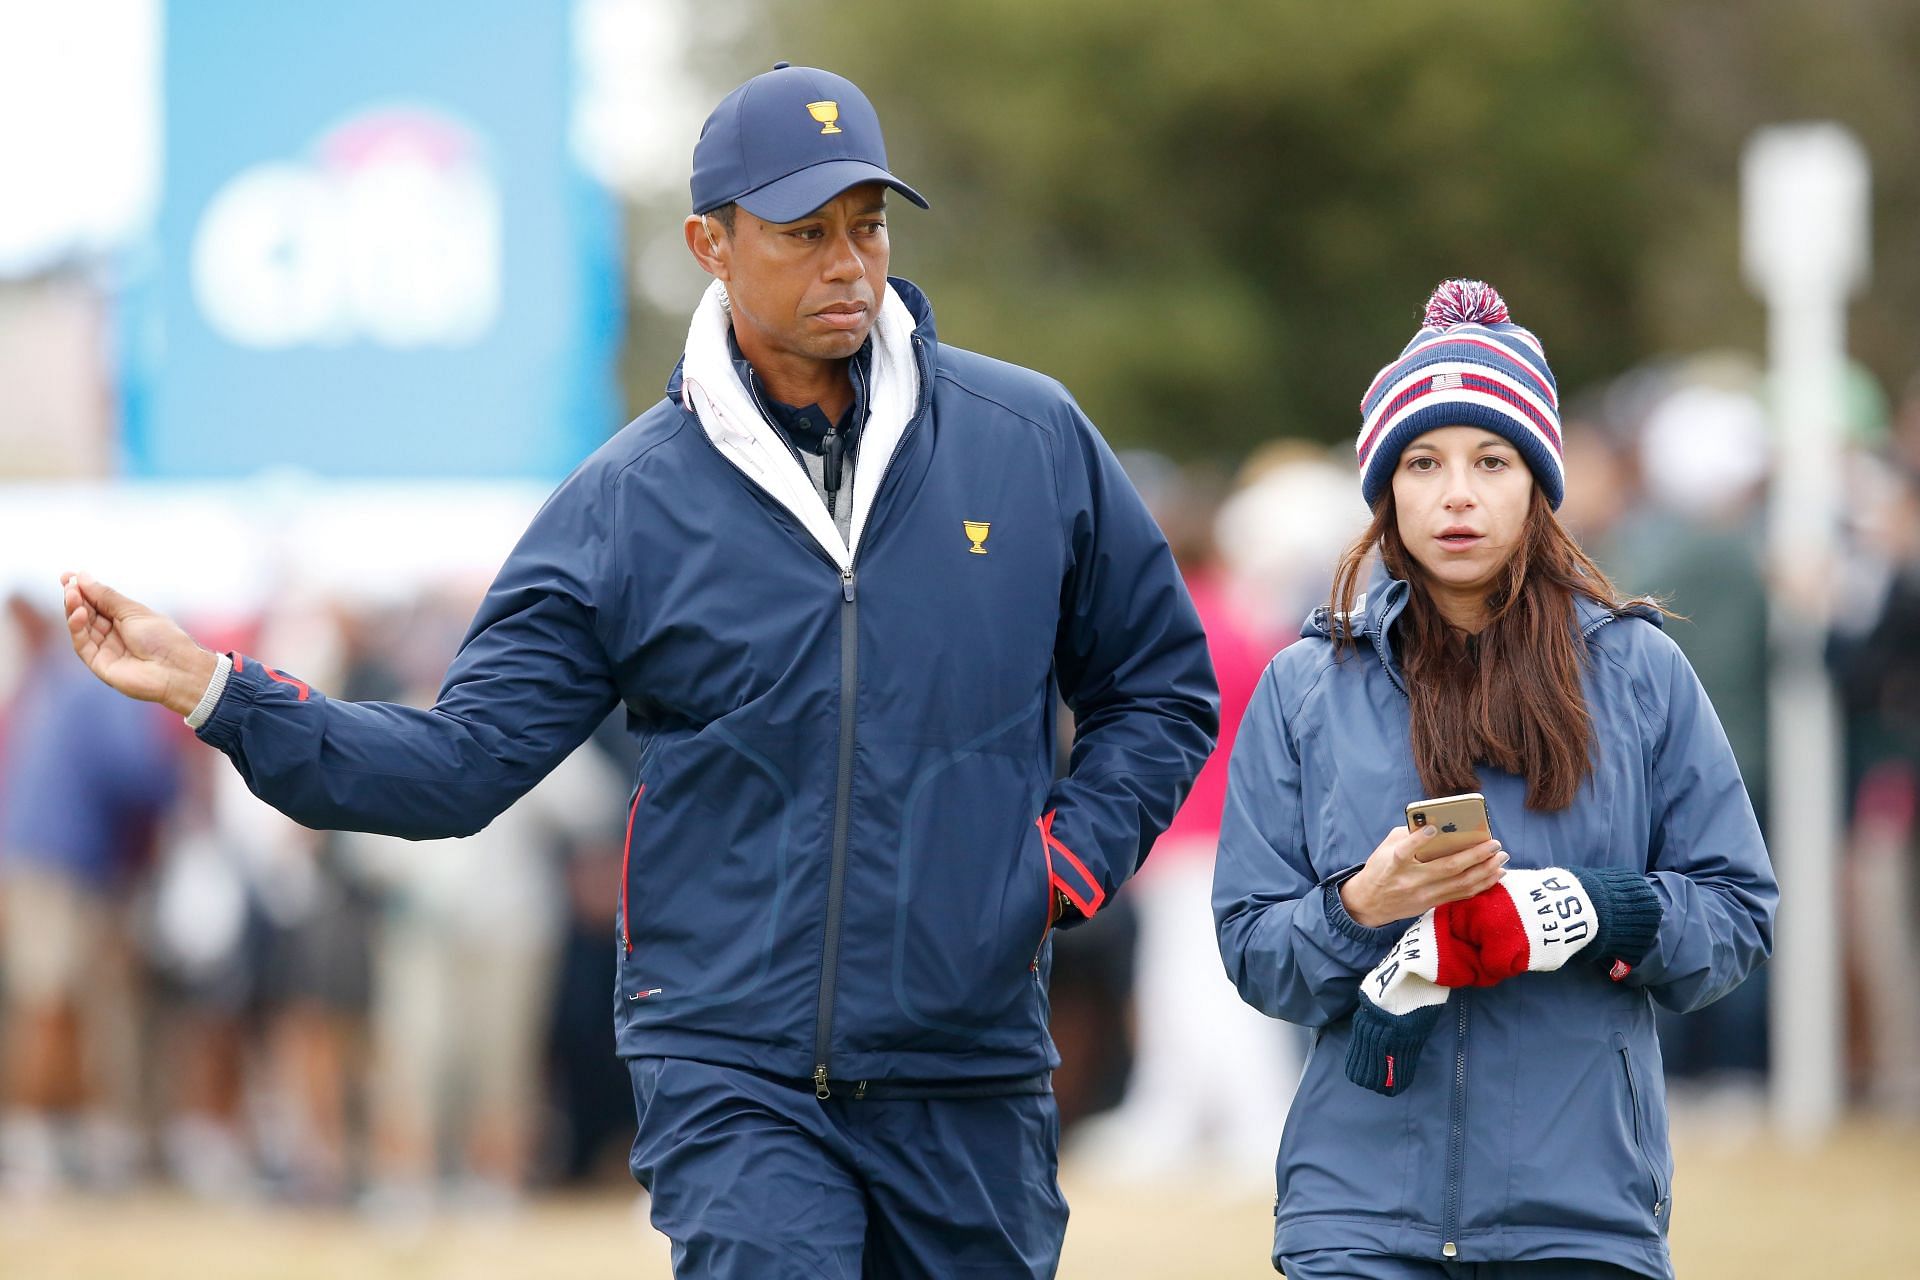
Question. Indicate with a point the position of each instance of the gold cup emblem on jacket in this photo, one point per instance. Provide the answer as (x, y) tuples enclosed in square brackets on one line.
[(826, 113), (977, 531)]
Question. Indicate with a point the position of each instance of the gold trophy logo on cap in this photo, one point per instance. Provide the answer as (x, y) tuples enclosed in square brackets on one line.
[(976, 534), (826, 113)]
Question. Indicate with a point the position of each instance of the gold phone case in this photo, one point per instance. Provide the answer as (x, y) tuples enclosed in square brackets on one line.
[(1462, 821)]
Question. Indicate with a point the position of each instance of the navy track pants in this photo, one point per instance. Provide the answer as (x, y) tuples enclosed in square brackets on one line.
[(751, 1177)]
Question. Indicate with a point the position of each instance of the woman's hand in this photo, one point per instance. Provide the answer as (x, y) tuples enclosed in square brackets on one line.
[(1395, 885)]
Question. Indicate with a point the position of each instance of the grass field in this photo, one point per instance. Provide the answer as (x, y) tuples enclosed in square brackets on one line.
[(1745, 1207)]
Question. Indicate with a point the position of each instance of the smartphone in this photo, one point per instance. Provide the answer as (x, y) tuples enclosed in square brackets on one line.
[(1461, 821)]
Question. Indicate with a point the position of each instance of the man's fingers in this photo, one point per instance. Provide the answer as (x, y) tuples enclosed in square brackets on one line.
[(84, 643), (88, 626), (104, 598), (80, 619)]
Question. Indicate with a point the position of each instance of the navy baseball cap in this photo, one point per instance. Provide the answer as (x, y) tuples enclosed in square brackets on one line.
[(786, 142)]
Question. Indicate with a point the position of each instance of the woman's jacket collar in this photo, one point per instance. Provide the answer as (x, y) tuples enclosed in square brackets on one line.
[(1374, 611)]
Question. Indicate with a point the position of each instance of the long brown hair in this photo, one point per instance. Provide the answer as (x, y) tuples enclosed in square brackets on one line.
[(1510, 696)]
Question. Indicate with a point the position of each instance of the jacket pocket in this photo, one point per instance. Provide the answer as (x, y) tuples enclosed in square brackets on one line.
[(626, 872), (969, 902), (1659, 1193), (1048, 894)]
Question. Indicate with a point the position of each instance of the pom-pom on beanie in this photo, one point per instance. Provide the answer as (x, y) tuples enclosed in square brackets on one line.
[(1469, 366)]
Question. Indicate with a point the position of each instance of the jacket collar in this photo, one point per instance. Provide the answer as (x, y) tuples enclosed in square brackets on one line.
[(923, 334), (1370, 619), (1378, 608)]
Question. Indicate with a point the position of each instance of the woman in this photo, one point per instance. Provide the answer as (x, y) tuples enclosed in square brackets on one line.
[(1492, 1097)]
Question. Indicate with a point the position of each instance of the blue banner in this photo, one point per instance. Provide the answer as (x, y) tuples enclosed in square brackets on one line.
[(375, 255)]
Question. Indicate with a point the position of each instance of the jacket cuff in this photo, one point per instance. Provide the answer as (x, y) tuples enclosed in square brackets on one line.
[(222, 669), (1382, 936), (221, 728), (1629, 912)]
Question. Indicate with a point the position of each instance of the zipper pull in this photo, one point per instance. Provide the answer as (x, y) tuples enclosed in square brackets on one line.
[(833, 452), (846, 585), (820, 1089)]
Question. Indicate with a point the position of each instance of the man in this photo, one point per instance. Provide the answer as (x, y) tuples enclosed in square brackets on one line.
[(837, 577)]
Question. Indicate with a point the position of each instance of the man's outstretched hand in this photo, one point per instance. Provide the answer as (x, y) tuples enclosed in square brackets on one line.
[(141, 653)]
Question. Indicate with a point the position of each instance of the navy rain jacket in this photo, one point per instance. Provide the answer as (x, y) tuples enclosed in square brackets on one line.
[(845, 831), (1536, 1126)]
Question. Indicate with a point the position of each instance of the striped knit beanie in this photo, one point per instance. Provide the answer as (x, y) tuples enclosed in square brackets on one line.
[(1469, 366)]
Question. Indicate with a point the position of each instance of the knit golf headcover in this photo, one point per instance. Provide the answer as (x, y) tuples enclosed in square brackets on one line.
[(1400, 1000), (1531, 921), (1539, 920)]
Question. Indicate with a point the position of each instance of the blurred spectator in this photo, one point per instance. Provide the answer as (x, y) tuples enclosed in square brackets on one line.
[(1202, 1095), (86, 780), (1603, 482), (205, 942), (591, 1091), (1292, 512), (1905, 435), (317, 952), (1695, 544), (1877, 664), (464, 964)]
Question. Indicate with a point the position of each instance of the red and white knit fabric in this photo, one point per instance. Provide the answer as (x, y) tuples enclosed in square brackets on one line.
[(1531, 921), (1469, 365)]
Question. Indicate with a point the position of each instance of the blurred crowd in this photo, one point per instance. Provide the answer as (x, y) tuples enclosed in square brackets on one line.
[(195, 989), (199, 989)]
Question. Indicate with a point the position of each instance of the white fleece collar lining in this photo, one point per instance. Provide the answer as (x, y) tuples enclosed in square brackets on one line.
[(711, 389)]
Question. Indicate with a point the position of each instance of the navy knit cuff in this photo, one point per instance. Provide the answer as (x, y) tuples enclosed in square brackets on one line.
[(1384, 1048), (1629, 913), (1382, 936)]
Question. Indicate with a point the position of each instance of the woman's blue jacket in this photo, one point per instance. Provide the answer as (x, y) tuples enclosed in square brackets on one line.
[(1536, 1125)]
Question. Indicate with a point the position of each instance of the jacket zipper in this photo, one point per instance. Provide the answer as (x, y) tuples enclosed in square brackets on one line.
[(626, 861), (1456, 1137), (842, 817), (843, 791), (1633, 1097)]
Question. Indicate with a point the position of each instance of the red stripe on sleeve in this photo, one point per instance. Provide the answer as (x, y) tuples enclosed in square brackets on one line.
[(300, 685)]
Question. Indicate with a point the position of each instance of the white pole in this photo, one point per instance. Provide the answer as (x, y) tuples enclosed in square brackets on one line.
[(1804, 206)]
